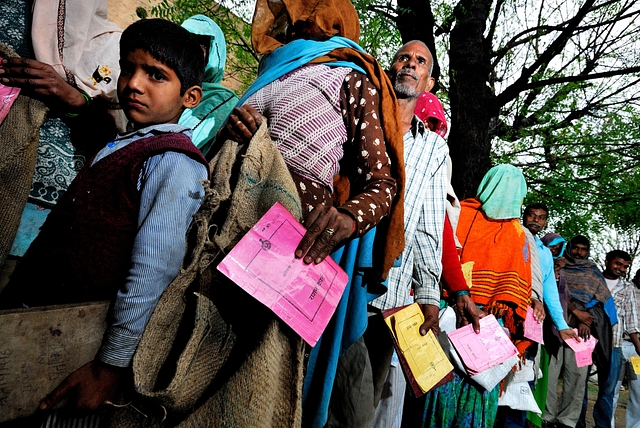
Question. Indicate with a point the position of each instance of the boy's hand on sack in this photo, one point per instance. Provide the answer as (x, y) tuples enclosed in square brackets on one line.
[(89, 387)]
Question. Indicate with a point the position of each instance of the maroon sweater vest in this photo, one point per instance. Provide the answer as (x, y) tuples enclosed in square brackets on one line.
[(83, 251)]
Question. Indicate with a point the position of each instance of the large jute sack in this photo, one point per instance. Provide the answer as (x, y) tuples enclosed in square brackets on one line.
[(19, 135), (211, 355)]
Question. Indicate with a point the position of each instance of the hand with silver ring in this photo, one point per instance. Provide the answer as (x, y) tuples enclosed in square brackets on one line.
[(327, 228), (329, 232), (242, 124)]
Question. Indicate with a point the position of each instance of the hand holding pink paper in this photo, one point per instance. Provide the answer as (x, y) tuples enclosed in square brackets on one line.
[(484, 350), (583, 349), (532, 328), (8, 95), (263, 264)]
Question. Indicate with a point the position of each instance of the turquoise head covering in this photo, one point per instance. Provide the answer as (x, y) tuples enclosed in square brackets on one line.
[(217, 101), (501, 192), (551, 239)]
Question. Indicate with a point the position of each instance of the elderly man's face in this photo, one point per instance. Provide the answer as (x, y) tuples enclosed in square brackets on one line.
[(409, 72)]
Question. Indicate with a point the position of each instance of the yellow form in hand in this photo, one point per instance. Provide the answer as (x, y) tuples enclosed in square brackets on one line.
[(635, 362), (423, 354)]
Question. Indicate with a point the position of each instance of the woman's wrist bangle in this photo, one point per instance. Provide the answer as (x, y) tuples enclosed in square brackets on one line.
[(457, 294), (87, 100)]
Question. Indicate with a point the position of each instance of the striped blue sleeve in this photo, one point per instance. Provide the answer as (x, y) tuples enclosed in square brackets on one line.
[(170, 196)]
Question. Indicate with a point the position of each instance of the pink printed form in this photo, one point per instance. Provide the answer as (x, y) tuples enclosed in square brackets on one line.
[(532, 328), (484, 350), (8, 95), (583, 349), (263, 264)]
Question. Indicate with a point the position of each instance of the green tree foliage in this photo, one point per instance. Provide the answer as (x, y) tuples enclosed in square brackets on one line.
[(550, 86), (588, 175), (242, 61), (379, 35)]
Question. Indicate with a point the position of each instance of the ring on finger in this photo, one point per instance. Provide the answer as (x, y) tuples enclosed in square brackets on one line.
[(238, 122), (329, 232)]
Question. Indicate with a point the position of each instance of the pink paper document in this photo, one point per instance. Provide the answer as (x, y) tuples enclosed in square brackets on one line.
[(532, 328), (8, 95), (482, 351), (583, 349), (263, 264)]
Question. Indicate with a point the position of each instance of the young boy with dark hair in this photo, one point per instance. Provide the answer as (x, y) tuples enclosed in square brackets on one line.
[(119, 232)]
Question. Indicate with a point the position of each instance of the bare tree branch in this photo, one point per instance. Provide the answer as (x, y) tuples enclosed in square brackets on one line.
[(554, 48)]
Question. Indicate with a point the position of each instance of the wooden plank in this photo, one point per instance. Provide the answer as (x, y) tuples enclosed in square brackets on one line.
[(41, 346)]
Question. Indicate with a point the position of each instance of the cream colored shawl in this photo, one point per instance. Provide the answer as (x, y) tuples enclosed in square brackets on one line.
[(78, 40)]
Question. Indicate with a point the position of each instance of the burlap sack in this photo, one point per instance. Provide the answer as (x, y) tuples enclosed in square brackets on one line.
[(211, 355), (19, 135)]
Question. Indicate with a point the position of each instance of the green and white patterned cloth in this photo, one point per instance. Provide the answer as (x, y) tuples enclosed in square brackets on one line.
[(58, 160)]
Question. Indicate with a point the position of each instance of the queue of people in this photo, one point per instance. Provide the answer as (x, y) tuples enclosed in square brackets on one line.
[(365, 152)]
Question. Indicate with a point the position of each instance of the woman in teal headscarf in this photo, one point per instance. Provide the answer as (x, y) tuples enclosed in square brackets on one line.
[(493, 239), (217, 101), (501, 192)]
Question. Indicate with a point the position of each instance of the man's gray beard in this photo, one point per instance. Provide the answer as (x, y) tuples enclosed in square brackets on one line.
[(405, 92)]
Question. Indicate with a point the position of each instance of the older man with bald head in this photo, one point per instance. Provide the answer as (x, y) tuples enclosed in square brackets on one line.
[(425, 191), (358, 386)]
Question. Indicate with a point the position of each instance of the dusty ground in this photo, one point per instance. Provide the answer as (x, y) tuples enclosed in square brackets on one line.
[(620, 409), (593, 393)]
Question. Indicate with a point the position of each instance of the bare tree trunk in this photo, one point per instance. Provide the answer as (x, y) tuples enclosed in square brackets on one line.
[(472, 102)]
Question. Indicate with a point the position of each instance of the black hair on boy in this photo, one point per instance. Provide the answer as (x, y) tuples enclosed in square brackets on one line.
[(170, 44)]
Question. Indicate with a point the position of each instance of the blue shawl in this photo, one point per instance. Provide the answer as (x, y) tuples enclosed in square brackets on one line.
[(347, 325), (294, 55), (356, 257)]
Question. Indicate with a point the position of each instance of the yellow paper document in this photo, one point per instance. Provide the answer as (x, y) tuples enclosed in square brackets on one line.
[(635, 362), (423, 354)]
